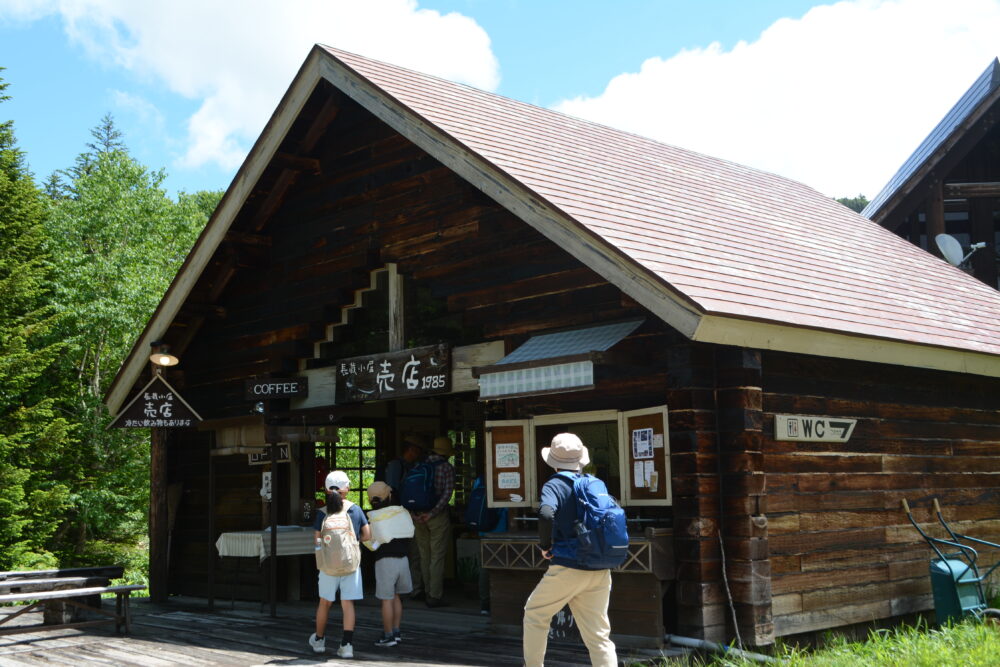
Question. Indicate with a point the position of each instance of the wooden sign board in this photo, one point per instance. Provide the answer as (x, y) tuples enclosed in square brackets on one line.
[(802, 428), (264, 456), (645, 457), (420, 371), (158, 405), (509, 463), (258, 389)]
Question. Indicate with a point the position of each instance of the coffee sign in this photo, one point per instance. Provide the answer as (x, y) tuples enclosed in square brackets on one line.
[(420, 371), (259, 389)]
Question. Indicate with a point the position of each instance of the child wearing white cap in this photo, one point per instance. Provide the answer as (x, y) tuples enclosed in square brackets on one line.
[(337, 485)]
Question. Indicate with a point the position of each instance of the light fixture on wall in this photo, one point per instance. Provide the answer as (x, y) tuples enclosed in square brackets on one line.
[(161, 355)]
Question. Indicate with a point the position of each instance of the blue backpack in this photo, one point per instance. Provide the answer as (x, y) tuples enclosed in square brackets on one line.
[(478, 515), (417, 492), (601, 540)]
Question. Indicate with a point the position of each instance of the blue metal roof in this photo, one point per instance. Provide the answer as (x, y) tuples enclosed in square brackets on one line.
[(577, 341), (988, 81)]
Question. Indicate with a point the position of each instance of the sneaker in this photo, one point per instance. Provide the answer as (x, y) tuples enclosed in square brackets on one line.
[(346, 651), (398, 638), (386, 641), (318, 645)]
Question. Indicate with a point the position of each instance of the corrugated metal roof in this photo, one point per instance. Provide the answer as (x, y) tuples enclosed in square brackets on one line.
[(736, 241), (987, 82), (598, 338)]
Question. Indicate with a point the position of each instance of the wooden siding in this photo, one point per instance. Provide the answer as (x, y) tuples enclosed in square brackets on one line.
[(841, 549)]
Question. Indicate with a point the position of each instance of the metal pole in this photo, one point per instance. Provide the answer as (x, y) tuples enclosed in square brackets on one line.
[(211, 531)]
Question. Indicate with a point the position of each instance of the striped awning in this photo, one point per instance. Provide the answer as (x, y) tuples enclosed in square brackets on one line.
[(553, 362)]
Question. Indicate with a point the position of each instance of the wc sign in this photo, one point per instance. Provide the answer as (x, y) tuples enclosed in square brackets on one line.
[(813, 429)]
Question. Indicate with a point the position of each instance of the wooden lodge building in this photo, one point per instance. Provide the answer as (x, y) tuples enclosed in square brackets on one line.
[(760, 373), (951, 182)]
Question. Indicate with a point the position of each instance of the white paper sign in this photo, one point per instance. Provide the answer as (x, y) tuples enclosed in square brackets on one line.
[(647, 472), (506, 455), (638, 475), (813, 429), (642, 443), (509, 480), (657, 441)]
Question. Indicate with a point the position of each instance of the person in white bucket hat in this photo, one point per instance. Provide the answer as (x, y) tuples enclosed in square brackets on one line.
[(585, 591)]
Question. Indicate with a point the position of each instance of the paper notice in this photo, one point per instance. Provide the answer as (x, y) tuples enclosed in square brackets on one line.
[(647, 472), (639, 475), (642, 443), (507, 455), (509, 480), (658, 441)]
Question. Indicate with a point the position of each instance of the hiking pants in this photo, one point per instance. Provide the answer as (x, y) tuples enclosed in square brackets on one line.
[(432, 540), (586, 592)]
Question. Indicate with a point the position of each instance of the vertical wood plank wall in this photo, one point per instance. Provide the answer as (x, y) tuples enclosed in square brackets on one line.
[(841, 550)]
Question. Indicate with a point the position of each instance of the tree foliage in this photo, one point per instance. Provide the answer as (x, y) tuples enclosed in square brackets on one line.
[(856, 204), (82, 267), (30, 428)]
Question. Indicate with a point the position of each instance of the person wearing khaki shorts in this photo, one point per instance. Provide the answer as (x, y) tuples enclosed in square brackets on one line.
[(585, 591)]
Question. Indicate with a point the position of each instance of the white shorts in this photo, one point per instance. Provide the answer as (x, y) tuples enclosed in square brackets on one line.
[(392, 577), (349, 585)]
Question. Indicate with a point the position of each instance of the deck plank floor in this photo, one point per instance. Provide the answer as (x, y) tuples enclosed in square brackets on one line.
[(184, 632)]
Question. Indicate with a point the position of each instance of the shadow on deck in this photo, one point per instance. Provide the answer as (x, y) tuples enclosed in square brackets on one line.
[(184, 632)]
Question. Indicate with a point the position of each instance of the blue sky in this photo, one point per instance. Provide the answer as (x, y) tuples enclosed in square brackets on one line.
[(824, 93)]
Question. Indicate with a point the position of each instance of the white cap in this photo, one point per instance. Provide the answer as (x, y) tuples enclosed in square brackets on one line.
[(337, 479)]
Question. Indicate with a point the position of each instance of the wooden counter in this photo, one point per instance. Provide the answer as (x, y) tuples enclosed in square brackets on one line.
[(638, 587)]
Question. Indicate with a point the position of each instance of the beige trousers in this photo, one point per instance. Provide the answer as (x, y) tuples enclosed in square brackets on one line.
[(432, 541), (586, 592)]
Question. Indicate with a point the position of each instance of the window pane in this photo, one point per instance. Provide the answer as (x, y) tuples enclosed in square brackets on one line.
[(348, 458)]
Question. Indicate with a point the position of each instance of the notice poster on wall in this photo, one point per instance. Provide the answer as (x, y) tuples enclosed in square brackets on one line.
[(642, 443), (507, 455), (509, 480)]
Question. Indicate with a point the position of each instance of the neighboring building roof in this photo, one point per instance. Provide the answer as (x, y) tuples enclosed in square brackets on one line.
[(930, 149), (723, 253)]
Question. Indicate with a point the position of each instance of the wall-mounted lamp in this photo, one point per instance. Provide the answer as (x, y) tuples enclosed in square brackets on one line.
[(161, 355)]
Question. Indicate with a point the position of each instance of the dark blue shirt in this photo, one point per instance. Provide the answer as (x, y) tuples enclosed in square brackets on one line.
[(557, 493)]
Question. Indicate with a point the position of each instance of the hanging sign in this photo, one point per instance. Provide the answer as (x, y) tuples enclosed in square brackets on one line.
[(813, 429), (419, 371), (264, 456), (257, 389), (158, 405)]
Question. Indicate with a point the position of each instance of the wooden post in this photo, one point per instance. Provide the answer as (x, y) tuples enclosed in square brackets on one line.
[(275, 490), (935, 216), (211, 531), (739, 420), (158, 574)]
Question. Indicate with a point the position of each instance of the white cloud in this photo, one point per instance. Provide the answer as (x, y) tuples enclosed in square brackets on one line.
[(837, 99), (237, 59)]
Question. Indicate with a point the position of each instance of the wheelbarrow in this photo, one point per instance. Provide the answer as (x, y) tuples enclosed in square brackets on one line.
[(956, 580)]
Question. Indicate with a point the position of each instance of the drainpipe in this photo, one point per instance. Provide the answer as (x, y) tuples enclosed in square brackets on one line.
[(691, 642)]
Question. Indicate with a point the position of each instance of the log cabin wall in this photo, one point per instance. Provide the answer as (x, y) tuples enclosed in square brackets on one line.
[(370, 199), (841, 549)]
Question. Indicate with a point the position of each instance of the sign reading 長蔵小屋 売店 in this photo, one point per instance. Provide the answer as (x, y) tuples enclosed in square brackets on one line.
[(813, 429), (419, 371), (158, 405)]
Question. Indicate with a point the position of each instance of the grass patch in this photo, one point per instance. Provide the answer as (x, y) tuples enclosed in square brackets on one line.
[(968, 644)]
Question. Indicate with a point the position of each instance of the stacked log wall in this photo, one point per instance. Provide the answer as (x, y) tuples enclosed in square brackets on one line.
[(841, 549)]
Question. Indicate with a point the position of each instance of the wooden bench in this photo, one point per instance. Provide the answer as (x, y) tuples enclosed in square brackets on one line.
[(72, 586)]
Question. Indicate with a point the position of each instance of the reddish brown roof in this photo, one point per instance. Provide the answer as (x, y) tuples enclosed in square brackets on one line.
[(736, 241)]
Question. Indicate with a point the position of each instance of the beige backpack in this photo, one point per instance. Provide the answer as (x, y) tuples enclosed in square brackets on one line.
[(340, 552)]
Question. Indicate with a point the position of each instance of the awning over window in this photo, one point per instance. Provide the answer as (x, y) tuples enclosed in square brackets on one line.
[(554, 362)]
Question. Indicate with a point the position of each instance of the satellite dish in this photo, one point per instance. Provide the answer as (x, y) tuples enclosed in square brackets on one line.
[(950, 249)]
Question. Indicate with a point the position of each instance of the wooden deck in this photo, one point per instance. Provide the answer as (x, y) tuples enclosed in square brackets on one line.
[(184, 632)]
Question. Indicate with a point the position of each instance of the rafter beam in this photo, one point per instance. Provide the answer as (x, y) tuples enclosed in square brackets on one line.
[(971, 190)]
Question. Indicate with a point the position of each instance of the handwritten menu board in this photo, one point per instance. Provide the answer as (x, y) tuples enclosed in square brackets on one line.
[(645, 456), (507, 463)]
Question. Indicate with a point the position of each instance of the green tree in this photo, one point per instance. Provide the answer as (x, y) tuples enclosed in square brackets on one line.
[(856, 204), (31, 432), (116, 241)]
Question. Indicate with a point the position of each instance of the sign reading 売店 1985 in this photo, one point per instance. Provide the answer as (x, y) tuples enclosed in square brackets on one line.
[(419, 371)]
